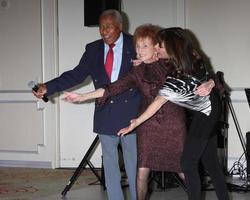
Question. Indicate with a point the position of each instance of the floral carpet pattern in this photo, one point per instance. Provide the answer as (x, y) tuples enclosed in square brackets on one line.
[(29, 184)]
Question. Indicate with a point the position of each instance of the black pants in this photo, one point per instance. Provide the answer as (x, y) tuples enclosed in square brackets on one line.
[(201, 146)]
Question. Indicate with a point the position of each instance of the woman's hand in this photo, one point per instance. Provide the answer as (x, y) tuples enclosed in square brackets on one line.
[(139, 60), (73, 97), (205, 88), (132, 126)]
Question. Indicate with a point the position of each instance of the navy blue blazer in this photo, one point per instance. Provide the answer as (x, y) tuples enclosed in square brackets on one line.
[(119, 110)]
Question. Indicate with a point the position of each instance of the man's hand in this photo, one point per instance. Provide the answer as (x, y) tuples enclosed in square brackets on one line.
[(42, 90)]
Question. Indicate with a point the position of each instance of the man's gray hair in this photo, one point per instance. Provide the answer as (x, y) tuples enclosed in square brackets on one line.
[(114, 13)]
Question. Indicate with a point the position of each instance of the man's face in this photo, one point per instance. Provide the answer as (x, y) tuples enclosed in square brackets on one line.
[(109, 29)]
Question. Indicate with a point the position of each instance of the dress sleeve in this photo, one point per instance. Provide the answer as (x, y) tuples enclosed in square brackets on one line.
[(181, 92), (123, 84)]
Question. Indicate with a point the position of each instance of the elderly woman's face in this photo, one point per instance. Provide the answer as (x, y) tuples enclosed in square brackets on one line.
[(145, 49), (161, 51)]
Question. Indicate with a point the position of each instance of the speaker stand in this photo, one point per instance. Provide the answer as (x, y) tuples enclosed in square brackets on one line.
[(227, 99), (85, 161), (166, 180)]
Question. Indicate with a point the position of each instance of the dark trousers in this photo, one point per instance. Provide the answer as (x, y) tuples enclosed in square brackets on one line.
[(201, 146)]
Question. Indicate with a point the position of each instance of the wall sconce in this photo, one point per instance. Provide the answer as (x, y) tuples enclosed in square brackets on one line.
[(4, 4)]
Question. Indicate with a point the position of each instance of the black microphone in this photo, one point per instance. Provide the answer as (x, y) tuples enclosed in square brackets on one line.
[(33, 85)]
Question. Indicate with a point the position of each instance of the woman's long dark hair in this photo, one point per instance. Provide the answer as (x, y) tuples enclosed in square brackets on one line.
[(179, 47)]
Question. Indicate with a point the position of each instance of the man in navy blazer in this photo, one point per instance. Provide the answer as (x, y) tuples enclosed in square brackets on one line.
[(119, 110)]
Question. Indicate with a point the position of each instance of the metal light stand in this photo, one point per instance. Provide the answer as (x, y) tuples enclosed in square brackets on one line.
[(165, 180), (85, 161), (223, 137), (227, 99)]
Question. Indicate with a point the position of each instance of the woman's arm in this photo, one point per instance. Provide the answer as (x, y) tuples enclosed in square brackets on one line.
[(149, 112), (76, 97), (112, 89)]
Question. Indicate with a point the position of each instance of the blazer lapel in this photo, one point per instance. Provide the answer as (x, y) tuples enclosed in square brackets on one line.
[(126, 57), (100, 61)]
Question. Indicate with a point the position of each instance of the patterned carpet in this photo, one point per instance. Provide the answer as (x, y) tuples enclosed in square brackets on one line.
[(29, 184)]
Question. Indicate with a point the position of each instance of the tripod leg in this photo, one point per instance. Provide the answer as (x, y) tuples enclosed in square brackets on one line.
[(103, 175), (179, 181), (96, 174), (80, 167), (243, 143)]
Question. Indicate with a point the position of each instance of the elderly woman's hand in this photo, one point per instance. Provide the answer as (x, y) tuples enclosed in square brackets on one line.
[(205, 88), (136, 62), (73, 97), (125, 131)]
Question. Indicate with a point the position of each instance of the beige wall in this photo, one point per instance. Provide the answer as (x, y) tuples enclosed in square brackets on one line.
[(221, 27), (27, 52)]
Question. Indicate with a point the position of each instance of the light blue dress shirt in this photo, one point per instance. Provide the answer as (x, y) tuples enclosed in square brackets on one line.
[(117, 49)]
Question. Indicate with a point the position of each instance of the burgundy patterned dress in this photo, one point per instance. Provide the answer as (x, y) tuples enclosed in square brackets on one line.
[(160, 139)]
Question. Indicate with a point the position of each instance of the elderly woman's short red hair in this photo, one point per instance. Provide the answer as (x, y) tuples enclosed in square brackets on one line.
[(147, 31)]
